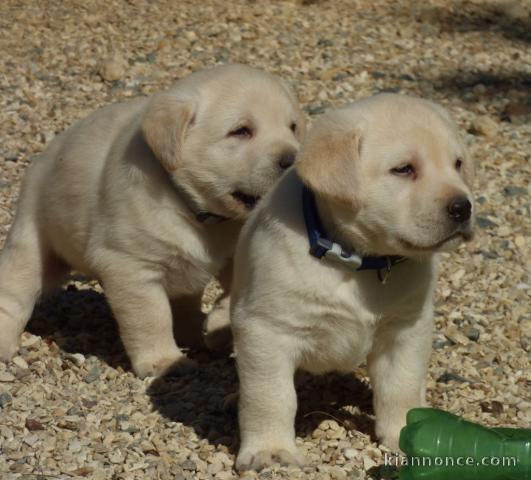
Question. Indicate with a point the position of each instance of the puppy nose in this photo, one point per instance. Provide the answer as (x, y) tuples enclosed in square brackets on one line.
[(460, 209), (286, 159)]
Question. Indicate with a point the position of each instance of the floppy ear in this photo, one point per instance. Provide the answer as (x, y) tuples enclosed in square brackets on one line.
[(327, 163), (164, 127)]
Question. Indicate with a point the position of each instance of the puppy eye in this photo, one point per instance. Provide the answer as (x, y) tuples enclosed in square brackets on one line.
[(241, 132), (403, 170), (458, 164), (293, 127)]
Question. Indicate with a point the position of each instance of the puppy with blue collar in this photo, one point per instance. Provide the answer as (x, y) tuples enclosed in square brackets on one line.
[(337, 266)]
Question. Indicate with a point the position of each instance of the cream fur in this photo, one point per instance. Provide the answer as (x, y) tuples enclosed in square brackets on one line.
[(292, 311), (106, 199)]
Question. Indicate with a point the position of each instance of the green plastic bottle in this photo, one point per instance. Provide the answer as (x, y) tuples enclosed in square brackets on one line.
[(442, 446)]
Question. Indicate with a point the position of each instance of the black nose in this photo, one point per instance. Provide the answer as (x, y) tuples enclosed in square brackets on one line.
[(460, 209), (286, 159)]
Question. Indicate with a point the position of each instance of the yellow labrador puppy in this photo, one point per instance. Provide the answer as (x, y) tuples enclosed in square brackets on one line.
[(337, 266), (148, 196)]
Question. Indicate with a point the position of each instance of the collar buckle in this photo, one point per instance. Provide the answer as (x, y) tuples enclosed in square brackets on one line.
[(336, 254)]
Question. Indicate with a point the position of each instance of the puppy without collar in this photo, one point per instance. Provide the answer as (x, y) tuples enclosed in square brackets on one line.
[(148, 196), (380, 186)]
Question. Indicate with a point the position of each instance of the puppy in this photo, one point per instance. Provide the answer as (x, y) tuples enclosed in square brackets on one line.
[(148, 196), (337, 266)]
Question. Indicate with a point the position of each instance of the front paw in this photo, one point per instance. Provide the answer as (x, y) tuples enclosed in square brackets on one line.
[(257, 458), (389, 433), (169, 365)]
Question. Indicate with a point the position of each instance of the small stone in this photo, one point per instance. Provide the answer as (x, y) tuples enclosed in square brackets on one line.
[(330, 74), (116, 457), (77, 359), (315, 109), (504, 231), (75, 446), (151, 57), (190, 35), (6, 377), (112, 68), (5, 399), (514, 191), (350, 453), (33, 425), (29, 340), (20, 362), (214, 468), (519, 241), (31, 440), (189, 465), (368, 463), (483, 222), (492, 407), (92, 375), (337, 473), (439, 343), (472, 333), (484, 125)]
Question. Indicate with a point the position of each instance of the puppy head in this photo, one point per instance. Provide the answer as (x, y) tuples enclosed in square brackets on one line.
[(225, 135), (391, 176)]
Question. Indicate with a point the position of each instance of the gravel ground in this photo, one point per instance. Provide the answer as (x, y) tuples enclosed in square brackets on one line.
[(70, 407)]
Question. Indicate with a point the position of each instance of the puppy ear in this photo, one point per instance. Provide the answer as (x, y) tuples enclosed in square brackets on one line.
[(327, 163), (164, 126)]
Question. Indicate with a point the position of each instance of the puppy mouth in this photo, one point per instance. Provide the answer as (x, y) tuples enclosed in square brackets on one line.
[(248, 201), (464, 235)]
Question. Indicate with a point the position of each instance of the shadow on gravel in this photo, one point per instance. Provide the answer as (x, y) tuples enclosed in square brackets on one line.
[(481, 18), (513, 85), (206, 401), (79, 321)]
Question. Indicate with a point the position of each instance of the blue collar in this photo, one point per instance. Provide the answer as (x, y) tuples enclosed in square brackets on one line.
[(321, 246)]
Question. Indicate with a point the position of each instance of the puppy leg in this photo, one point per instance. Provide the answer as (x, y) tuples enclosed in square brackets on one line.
[(26, 269), (142, 310), (217, 331), (398, 368), (267, 405)]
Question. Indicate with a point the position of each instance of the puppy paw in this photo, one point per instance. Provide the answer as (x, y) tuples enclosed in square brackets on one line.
[(173, 366), (257, 459), (389, 434)]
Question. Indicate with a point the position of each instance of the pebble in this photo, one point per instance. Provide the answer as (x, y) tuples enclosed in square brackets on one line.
[(32, 425), (31, 440), (93, 374), (484, 125), (112, 68), (472, 333), (514, 191), (189, 465), (6, 377), (20, 362), (350, 453), (504, 231), (5, 399), (78, 359)]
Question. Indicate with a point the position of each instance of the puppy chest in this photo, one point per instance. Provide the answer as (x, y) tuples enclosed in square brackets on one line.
[(339, 343)]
